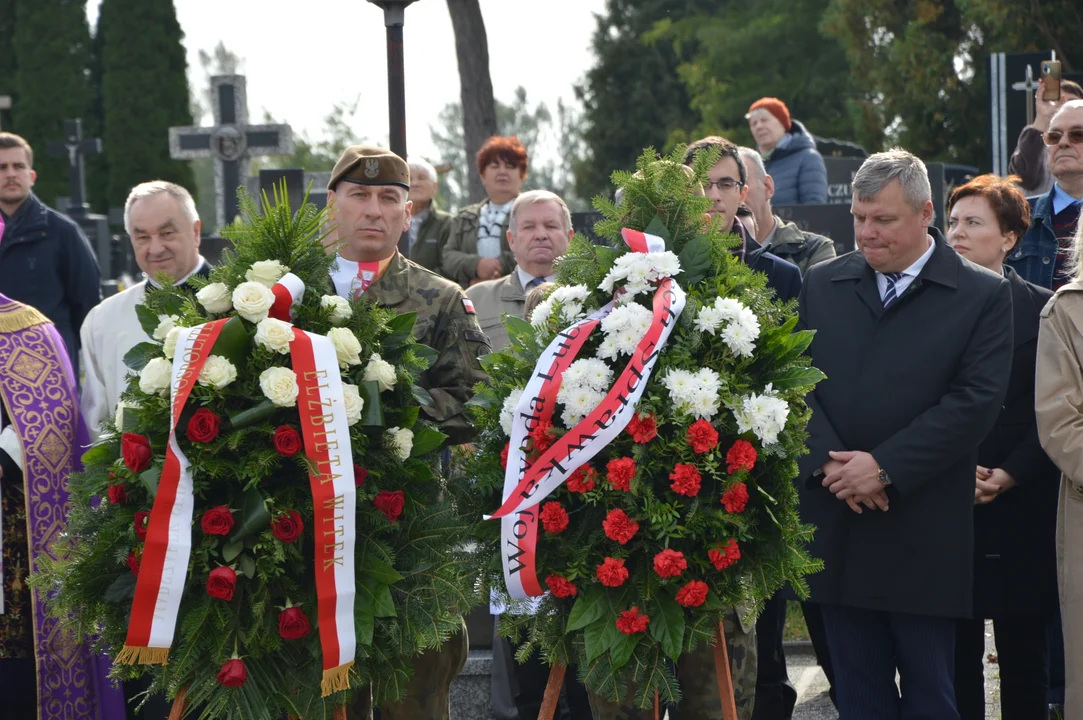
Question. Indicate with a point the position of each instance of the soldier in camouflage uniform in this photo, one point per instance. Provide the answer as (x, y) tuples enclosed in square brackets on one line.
[(699, 685), (370, 211)]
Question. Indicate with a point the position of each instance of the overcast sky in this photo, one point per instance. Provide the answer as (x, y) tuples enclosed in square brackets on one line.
[(302, 57)]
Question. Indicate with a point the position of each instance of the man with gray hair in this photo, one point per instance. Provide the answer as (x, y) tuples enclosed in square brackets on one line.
[(786, 240), (424, 241), (916, 344), (539, 230), (161, 220)]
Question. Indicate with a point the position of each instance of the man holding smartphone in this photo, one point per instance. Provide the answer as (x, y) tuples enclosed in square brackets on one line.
[(1028, 160)]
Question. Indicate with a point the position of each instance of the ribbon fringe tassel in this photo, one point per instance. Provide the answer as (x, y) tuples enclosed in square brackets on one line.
[(337, 679), (133, 655)]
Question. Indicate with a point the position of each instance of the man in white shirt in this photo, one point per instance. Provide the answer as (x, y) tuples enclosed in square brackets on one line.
[(164, 227), (539, 231)]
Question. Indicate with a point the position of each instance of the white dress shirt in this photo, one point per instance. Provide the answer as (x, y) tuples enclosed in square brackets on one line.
[(908, 275), (525, 278)]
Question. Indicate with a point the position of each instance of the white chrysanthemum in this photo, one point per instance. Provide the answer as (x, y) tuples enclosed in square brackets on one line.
[(578, 403), (354, 403), (681, 385), (627, 340), (253, 300), (380, 371), (633, 317), (215, 298), (118, 418), (738, 339), (704, 405), (708, 380), (339, 306), (542, 311), (709, 319), (217, 372), (400, 441), (639, 271), (729, 307), (279, 385), (169, 345), (608, 349), (597, 374), (274, 335), (156, 376), (347, 346), (507, 412), (165, 324), (765, 415), (267, 272), (748, 319)]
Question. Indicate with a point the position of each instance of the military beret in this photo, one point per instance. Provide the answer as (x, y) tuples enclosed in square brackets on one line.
[(368, 165)]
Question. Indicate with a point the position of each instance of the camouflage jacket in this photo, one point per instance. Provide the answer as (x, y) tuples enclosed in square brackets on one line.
[(444, 324)]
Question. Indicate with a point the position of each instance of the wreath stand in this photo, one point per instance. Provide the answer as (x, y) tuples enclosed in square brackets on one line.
[(721, 669), (180, 704)]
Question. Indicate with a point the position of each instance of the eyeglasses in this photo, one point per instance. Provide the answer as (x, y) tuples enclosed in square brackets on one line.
[(1053, 137), (725, 184)]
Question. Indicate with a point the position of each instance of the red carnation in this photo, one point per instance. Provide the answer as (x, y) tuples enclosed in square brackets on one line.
[(742, 456), (221, 583), (217, 521), (554, 518), (142, 519), (631, 621), (287, 441), (504, 456), (293, 624), (135, 449), (723, 556), (619, 527), (287, 527), (693, 594), (643, 430), (117, 495), (561, 587), (620, 472), (133, 563), (702, 437), (390, 503), (542, 435), (203, 426), (736, 498), (582, 480), (686, 479), (359, 475), (612, 572), (670, 563), (233, 673)]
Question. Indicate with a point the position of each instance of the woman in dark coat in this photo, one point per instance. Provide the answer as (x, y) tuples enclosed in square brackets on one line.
[(1016, 484)]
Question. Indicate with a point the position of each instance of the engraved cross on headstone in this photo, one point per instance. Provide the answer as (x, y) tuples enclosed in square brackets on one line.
[(74, 147), (232, 142), (1029, 85)]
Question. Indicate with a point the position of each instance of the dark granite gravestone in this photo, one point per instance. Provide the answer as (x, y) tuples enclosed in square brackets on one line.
[(96, 227), (840, 173)]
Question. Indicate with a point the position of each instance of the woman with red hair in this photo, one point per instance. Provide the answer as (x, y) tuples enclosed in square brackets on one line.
[(477, 245)]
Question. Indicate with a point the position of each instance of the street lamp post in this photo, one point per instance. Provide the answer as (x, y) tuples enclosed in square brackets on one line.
[(394, 17)]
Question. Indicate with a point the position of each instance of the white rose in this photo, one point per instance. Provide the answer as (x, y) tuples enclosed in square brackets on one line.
[(401, 441), (217, 372), (156, 376), (347, 348), (267, 272), (274, 335), (165, 324), (279, 384), (354, 403), (121, 407), (215, 298), (253, 300), (339, 306), (380, 371), (169, 345)]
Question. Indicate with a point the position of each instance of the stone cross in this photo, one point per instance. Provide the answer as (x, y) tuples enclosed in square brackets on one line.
[(232, 142), (1029, 85), (74, 147)]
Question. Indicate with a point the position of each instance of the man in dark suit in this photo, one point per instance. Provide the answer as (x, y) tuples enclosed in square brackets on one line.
[(916, 343)]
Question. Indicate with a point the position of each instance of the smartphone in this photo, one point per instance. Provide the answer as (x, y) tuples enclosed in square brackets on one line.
[(1051, 75)]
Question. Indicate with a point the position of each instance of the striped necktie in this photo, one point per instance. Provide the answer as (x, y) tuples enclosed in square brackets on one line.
[(890, 296)]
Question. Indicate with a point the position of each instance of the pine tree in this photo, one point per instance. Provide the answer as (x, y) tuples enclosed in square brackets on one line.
[(51, 40), (144, 92)]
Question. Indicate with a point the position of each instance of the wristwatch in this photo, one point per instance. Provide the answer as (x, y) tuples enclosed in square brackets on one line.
[(883, 477)]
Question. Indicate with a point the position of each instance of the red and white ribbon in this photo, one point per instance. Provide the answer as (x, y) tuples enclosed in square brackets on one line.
[(288, 292), (525, 487), (164, 564), (326, 433)]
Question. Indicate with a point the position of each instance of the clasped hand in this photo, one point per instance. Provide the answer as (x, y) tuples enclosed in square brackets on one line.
[(855, 478), (989, 484)]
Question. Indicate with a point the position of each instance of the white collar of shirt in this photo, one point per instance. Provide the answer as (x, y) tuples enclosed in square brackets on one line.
[(1061, 199), (184, 279), (908, 275), (525, 277)]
